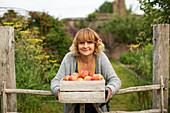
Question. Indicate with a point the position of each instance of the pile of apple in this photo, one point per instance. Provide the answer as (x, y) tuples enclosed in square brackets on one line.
[(83, 76)]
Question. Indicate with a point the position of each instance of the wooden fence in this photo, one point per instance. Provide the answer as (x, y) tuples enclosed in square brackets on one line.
[(160, 85)]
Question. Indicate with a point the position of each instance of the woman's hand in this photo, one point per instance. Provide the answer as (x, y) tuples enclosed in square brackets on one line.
[(58, 91), (108, 94)]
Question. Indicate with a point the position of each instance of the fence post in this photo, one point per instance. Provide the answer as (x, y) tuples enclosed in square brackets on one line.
[(3, 99), (7, 64), (160, 63)]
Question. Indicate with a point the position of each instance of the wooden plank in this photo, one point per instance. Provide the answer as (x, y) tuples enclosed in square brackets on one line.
[(137, 89), (70, 110), (143, 111), (162, 95), (82, 85), (82, 97), (82, 108), (3, 98), (97, 108), (29, 91), (121, 91), (160, 62), (7, 64)]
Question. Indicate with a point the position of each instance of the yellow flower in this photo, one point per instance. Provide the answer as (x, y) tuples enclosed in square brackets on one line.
[(36, 32), (36, 28), (39, 51), (39, 40), (34, 40), (47, 56), (8, 23), (53, 61), (134, 46), (17, 26), (24, 32), (39, 57)]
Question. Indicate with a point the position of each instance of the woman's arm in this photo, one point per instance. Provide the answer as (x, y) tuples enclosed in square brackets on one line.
[(55, 83), (113, 81)]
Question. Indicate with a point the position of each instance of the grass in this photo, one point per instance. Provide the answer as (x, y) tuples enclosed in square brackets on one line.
[(125, 102)]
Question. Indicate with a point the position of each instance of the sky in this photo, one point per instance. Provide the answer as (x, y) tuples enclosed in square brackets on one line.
[(63, 8)]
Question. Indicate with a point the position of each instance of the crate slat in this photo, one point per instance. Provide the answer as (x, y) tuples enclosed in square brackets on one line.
[(82, 97), (82, 85)]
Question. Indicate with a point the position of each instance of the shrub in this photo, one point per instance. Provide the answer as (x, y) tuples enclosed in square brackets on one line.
[(126, 58)]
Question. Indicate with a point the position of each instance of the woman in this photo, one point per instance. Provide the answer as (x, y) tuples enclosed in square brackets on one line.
[(87, 54)]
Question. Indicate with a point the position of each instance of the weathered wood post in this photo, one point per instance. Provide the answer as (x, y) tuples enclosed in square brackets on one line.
[(7, 64), (160, 63)]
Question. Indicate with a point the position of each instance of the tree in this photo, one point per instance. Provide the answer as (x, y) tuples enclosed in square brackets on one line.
[(155, 12), (106, 7)]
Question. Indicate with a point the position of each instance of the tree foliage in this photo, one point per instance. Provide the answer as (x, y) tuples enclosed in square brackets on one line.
[(106, 7), (155, 12)]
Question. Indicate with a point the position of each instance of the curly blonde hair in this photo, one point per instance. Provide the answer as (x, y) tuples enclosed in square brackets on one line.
[(85, 35)]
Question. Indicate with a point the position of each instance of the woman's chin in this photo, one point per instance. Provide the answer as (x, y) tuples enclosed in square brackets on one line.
[(86, 54)]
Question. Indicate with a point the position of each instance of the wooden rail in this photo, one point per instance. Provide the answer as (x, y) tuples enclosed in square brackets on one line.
[(49, 93)]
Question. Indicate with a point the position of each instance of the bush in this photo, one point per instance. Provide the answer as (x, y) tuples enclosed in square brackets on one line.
[(126, 58), (56, 42)]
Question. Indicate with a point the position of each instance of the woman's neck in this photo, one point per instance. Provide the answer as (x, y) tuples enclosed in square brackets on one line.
[(86, 59)]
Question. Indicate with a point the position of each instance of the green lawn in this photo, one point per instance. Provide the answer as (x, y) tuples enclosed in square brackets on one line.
[(125, 102)]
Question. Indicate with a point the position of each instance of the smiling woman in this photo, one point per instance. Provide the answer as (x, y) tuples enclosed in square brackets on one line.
[(87, 55)]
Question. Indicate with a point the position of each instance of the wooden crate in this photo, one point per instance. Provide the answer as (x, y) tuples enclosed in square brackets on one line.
[(82, 91)]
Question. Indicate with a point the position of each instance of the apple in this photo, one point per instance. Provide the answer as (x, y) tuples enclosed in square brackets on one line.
[(97, 76), (76, 75), (84, 73), (87, 78), (80, 79), (66, 77), (72, 78)]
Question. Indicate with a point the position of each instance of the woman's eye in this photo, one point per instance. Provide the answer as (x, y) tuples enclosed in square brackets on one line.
[(81, 42)]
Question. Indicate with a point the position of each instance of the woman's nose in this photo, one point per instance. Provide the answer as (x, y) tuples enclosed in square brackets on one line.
[(85, 44)]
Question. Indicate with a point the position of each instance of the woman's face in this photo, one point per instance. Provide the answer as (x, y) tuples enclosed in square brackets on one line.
[(86, 48)]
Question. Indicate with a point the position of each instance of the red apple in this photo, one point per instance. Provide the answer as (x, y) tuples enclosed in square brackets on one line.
[(72, 78), (97, 77), (66, 77), (101, 76), (76, 75), (80, 79), (87, 78), (84, 73)]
